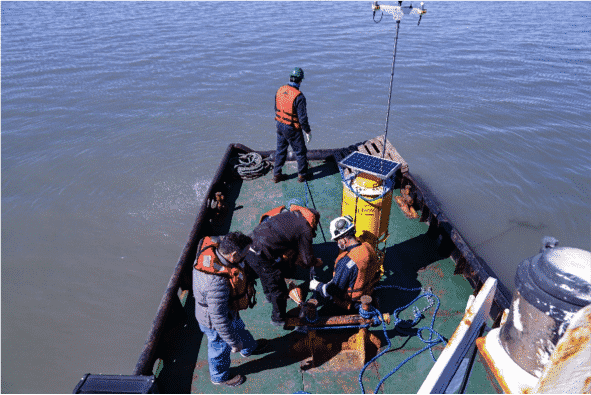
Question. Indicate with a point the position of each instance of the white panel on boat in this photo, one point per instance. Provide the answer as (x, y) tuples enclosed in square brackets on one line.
[(460, 342)]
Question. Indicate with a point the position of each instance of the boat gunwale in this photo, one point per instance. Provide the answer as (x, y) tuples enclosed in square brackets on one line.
[(179, 279), (474, 269)]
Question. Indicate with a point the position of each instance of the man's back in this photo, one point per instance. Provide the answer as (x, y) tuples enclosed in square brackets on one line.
[(211, 298), (284, 231)]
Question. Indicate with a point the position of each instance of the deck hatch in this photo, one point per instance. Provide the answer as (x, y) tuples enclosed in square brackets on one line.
[(360, 162)]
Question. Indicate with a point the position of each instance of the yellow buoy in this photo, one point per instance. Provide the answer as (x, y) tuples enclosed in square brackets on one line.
[(369, 215)]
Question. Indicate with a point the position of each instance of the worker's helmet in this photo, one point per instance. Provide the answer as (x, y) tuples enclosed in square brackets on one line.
[(297, 74), (342, 226)]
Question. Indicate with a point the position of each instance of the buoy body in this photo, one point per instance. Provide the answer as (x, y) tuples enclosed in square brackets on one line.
[(368, 215)]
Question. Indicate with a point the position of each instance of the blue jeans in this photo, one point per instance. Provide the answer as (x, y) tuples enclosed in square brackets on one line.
[(286, 136), (218, 351)]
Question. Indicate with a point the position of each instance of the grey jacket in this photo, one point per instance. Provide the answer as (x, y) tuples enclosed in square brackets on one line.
[(212, 296)]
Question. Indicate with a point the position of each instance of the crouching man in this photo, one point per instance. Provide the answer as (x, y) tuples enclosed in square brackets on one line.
[(222, 287), (356, 270), (283, 231)]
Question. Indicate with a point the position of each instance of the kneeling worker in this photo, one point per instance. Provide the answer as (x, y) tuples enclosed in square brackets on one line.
[(292, 229), (356, 269), (222, 287)]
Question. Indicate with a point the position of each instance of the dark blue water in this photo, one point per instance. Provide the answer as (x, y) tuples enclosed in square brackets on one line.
[(114, 116)]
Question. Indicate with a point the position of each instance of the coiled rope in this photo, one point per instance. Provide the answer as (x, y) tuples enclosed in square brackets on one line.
[(251, 166)]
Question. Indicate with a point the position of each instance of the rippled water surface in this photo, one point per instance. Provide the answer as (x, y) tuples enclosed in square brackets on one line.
[(115, 115)]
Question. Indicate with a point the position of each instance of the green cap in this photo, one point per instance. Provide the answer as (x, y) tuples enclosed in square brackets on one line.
[(297, 73)]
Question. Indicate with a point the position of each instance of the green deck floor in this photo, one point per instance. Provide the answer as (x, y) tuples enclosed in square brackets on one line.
[(411, 261)]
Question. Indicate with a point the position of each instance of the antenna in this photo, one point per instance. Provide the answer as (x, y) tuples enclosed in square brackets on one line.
[(397, 12)]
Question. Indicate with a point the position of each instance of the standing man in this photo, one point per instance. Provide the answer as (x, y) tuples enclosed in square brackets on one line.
[(292, 229), (356, 270), (292, 119), (222, 287)]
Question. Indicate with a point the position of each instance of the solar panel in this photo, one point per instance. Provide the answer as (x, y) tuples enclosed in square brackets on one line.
[(360, 162)]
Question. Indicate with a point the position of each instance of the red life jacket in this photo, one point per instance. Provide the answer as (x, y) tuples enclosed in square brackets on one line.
[(285, 104), (368, 273), (242, 292)]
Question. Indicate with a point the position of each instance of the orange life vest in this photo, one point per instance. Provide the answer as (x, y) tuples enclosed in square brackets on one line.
[(272, 213), (368, 273), (291, 257), (284, 102), (242, 292), (306, 213)]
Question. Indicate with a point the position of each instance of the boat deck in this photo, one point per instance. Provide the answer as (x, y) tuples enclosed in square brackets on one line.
[(411, 261)]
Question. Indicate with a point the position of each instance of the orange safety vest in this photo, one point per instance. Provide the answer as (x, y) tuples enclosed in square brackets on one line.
[(368, 273), (289, 256), (306, 213), (242, 292), (272, 213), (284, 102)]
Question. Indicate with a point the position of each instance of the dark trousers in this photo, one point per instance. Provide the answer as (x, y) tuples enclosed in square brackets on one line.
[(273, 282), (286, 136)]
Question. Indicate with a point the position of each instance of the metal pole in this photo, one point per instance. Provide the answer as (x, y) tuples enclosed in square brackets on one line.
[(391, 81), (314, 205)]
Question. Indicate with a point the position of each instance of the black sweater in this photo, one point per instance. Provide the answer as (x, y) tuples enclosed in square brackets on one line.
[(282, 232)]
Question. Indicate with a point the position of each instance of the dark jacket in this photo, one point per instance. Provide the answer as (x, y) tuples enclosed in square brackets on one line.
[(345, 275), (300, 105), (212, 299), (285, 231)]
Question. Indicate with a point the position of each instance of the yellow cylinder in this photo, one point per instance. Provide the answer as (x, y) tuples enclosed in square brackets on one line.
[(371, 216)]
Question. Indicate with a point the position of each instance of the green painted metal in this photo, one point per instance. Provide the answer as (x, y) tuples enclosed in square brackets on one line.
[(411, 261)]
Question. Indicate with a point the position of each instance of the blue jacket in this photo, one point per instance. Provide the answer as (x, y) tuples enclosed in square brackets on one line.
[(344, 277)]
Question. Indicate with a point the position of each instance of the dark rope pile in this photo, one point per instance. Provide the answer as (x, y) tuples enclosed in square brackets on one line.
[(251, 165)]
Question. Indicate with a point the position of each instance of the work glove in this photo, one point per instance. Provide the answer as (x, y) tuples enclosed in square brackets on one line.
[(314, 284), (237, 348), (308, 137)]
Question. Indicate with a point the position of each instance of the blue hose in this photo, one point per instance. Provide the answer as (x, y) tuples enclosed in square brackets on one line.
[(378, 317), (430, 343)]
